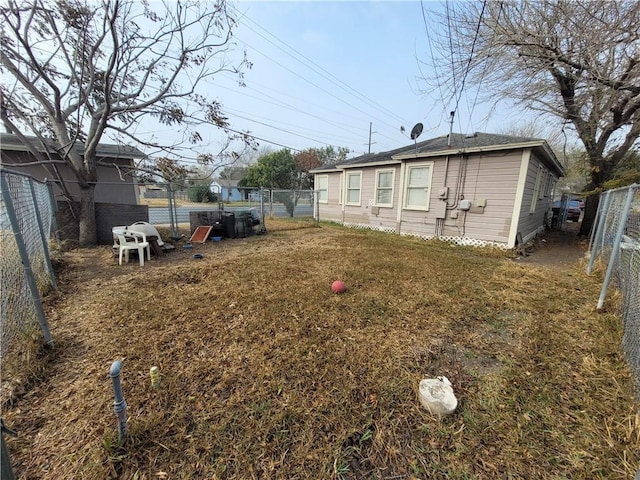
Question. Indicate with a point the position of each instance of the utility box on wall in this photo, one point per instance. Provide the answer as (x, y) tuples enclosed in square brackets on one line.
[(465, 205)]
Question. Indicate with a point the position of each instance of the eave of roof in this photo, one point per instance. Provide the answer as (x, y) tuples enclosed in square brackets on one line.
[(441, 146), (11, 143)]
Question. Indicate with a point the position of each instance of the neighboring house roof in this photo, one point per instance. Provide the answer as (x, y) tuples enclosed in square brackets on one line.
[(226, 183), (477, 142), (10, 142)]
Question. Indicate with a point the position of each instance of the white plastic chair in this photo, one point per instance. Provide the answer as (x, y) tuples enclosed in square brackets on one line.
[(115, 231), (133, 241)]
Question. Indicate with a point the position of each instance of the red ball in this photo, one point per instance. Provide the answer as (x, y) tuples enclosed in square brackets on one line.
[(338, 287)]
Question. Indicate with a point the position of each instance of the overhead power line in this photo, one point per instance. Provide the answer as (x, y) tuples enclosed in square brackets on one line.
[(320, 70), (266, 98)]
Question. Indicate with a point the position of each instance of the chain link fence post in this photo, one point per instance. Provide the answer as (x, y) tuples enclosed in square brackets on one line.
[(616, 247)]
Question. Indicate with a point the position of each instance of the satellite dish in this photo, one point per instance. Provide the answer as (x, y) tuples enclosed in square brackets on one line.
[(416, 131)]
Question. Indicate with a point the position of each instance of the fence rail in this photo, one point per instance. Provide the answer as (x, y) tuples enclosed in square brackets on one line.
[(616, 241)]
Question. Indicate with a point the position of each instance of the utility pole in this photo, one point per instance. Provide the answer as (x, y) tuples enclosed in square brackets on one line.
[(370, 132)]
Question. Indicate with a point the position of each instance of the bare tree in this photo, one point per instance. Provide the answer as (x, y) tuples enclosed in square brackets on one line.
[(75, 70), (576, 60)]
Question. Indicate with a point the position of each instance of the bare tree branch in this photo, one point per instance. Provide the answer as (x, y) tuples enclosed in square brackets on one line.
[(82, 69)]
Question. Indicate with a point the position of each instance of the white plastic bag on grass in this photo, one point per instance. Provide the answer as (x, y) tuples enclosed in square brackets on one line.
[(436, 395)]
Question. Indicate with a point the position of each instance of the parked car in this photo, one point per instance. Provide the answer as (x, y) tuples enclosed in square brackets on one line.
[(573, 210)]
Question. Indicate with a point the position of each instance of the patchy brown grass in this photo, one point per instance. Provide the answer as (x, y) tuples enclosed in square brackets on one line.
[(267, 374)]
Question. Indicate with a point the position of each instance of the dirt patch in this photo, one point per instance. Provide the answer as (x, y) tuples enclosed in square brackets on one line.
[(559, 247)]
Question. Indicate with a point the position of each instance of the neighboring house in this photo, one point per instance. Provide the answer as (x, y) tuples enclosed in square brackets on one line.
[(480, 189), (116, 180), (116, 193), (228, 190)]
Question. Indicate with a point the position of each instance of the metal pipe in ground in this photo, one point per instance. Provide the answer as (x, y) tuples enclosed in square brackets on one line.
[(119, 404)]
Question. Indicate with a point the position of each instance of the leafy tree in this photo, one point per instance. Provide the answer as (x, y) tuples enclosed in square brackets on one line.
[(276, 170), (283, 170), (273, 170), (198, 184), (314, 158), (576, 60), (75, 70)]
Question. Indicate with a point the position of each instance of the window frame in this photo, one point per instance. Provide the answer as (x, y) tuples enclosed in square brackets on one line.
[(325, 190), (405, 193), (357, 173), (536, 190), (391, 188)]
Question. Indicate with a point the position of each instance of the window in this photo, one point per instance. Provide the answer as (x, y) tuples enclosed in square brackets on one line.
[(418, 187), (548, 190), (536, 190), (384, 187), (353, 188), (322, 187)]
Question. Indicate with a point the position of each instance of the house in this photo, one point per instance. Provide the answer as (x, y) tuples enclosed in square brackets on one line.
[(480, 189), (228, 190), (116, 193), (116, 182)]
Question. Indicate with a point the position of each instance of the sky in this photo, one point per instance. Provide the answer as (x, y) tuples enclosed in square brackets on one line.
[(345, 74)]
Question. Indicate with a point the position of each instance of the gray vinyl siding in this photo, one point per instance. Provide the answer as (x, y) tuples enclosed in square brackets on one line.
[(110, 188), (332, 210), (491, 177), (494, 179), (381, 217), (530, 223)]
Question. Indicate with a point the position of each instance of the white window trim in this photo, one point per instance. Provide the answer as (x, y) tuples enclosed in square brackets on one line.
[(326, 179), (549, 186), (536, 190), (406, 186), (346, 188), (392, 188)]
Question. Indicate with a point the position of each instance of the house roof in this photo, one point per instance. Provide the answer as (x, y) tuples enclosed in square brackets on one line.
[(10, 142), (227, 183), (460, 143)]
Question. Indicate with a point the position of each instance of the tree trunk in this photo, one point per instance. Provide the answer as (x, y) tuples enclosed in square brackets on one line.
[(590, 210), (87, 221)]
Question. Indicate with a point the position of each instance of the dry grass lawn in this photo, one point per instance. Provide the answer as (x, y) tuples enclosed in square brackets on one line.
[(265, 374)]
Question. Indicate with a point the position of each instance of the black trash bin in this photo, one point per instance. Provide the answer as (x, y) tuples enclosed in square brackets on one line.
[(229, 224)]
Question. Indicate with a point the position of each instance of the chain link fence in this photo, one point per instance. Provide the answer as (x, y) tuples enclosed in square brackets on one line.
[(289, 203), (172, 207), (616, 241), (27, 217)]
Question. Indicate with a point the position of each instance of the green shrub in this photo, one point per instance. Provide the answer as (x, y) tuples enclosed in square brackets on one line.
[(201, 194)]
